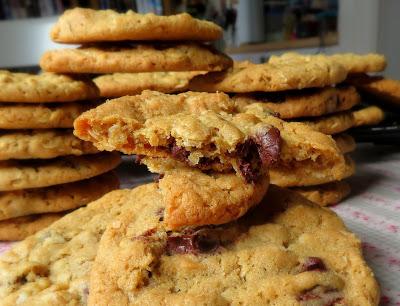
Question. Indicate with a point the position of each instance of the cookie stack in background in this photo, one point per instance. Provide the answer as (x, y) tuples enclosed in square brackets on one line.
[(44, 169), (133, 52), (319, 99)]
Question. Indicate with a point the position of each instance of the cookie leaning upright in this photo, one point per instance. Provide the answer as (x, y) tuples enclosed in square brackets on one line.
[(130, 42)]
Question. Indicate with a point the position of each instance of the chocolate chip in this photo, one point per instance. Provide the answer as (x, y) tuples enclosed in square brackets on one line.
[(313, 263), (178, 152), (191, 244), (268, 145), (248, 172)]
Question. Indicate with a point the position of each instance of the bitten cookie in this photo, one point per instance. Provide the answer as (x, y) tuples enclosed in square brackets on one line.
[(55, 198), (326, 194), (304, 103), (269, 77), (22, 227), (80, 25), (287, 251), (353, 63), (45, 87), (41, 116), (218, 135), (123, 84), (42, 144), (130, 57), (23, 174)]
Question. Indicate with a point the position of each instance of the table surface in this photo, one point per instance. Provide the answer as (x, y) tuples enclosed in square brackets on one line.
[(372, 211)]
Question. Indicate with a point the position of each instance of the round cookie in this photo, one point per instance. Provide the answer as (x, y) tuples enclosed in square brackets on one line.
[(42, 144), (326, 194), (45, 87), (22, 227), (383, 89), (123, 84), (353, 63), (129, 57), (371, 115), (24, 174), (345, 142), (287, 251), (81, 25), (247, 77), (309, 173), (78, 233), (40, 116), (332, 124), (304, 103), (55, 198)]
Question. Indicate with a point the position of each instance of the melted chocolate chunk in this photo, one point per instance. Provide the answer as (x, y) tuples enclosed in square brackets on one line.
[(191, 244), (268, 145), (325, 296), (249, 173), (313, 263), (178, 152)]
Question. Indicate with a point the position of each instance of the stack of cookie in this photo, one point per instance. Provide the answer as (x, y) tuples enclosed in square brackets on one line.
[(44, 169), (133, 52), (300, 88)]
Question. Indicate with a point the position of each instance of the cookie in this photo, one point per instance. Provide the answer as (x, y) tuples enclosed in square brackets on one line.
[(383, 89), (345, 142), (203, 130), (326, 194), (304, 103), (55, 198), (332, 124), (22, 227), (308, 173), (41, 116), (80, 25), (45, 87), (66, 250), (24, 174), (129, 57), (288, 251), (371, 115), (123, 84), (42, 144), (353, 63), (268, 77)]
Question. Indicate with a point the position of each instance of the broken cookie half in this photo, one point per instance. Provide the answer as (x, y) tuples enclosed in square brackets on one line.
[(203, 137)]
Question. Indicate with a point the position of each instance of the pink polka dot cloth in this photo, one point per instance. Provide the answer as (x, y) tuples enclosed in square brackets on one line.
[(372, 211)]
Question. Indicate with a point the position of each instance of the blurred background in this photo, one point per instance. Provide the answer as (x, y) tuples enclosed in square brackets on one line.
[(253, 29)]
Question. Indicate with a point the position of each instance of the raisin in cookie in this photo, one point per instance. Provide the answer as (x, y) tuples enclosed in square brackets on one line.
[(285, 252)]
